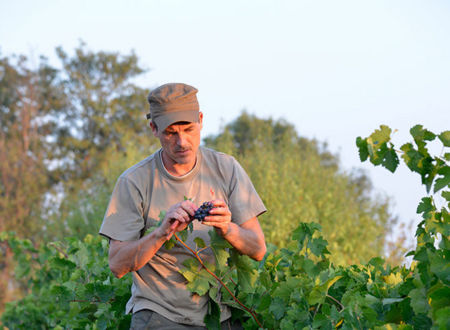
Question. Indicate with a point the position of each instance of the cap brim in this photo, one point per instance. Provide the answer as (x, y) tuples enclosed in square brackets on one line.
[(170, 118)]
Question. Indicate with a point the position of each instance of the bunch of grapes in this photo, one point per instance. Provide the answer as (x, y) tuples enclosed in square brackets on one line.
[(203, 211)]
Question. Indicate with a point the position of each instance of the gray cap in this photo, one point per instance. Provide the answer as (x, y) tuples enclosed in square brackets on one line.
[(171, 103)]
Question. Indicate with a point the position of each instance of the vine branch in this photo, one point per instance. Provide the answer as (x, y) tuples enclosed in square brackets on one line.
[(219, 280), (336, 301)]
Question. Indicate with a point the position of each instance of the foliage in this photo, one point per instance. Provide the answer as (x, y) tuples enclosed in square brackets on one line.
[(70, 285), (299, 180), (293, 287)]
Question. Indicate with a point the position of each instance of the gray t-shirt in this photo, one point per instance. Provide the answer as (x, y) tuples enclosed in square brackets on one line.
[(146, 189)]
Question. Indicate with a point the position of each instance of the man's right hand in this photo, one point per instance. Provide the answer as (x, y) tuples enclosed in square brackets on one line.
[(177, 218), (128, 256)]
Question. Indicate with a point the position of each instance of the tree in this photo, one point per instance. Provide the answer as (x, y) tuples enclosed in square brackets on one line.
[(299, 180), (101, 128), (60, 130), (25, 98)]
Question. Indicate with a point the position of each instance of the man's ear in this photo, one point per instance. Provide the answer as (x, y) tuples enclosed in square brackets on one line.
[(200, 119), (154, 129)]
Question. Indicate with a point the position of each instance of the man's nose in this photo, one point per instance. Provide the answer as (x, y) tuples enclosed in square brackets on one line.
[(181, 140)]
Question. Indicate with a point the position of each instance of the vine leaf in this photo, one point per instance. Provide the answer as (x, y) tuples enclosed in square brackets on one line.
[(419, 301), (319, 293), (421, 135), (362, 148), (443, 181), (425, 206), (212, 318), (246, 272), (198, 280), (390, 160), (220, 247), (445, 138), (376, 146), (446, 195), (200, 242)]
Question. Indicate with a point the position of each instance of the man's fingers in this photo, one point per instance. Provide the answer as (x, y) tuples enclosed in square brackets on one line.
[(188, 207), (218, 203)]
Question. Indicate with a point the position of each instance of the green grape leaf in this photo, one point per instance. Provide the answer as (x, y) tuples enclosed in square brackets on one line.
[(425, 206), (388, 301), (419, 301), (277, 308), (390, 160), (162, 215), (419, 162), (321, 322), (421, 321), (201, 283), (200, 242), (439, 296), (246, 272), (188, 274), (443, 181), (446, 195), (285, 288), (61, 292), (441, 317), (362, 148), (62, 263), (421, 135), (220, 247), (319, 293), (440, 267), (169, 244), (183, 235), (318, 246), (264, 303), (381, 136), (212, 318), (445, 138)]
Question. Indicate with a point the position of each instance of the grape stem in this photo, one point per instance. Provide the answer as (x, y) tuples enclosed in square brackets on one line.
[(219, 280)]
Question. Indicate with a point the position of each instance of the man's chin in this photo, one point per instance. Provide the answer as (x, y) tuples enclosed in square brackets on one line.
[(185, 159)]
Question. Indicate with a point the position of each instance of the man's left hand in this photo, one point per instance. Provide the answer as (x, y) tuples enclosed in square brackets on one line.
[(219, 217)]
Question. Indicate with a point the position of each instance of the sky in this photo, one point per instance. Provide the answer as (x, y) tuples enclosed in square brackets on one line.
[(334, 69)]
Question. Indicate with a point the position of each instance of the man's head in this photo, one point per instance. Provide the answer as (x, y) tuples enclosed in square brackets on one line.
[(176, 122)]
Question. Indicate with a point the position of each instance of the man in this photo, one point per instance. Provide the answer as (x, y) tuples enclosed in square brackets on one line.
[(159, 183)]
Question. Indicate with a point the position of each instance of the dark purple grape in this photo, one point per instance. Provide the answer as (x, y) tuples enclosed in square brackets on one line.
[(203, 211)]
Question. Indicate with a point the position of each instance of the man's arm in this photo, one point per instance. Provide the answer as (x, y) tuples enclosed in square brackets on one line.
[(247, 238), (130, 256)]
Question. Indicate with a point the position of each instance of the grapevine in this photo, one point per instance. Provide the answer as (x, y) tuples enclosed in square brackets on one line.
[(292, 288)]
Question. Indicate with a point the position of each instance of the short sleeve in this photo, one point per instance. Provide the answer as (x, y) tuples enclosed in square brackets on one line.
[(244, 201), (124, 219)]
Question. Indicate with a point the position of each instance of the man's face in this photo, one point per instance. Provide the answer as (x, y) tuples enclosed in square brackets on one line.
[(180, 142)]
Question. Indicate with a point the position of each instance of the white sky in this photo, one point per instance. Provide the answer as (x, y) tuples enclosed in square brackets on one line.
[(335, 69)]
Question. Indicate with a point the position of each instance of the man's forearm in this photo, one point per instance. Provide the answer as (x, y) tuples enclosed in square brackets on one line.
[(247, 241), (125, 257)]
